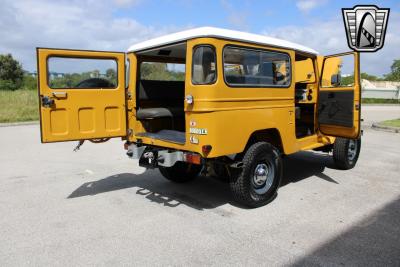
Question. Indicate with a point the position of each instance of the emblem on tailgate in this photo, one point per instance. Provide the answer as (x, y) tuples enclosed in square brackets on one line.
[(198, 131)]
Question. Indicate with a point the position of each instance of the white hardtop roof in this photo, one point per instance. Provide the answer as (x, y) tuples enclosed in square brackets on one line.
[(218, 33)]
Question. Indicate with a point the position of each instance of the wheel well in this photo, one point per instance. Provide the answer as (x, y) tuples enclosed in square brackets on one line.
[(271, 136)]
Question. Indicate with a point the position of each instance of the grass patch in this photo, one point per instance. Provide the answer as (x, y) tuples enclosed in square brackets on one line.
[(19, 105), (379, 101), (22, 105), (391, 123)]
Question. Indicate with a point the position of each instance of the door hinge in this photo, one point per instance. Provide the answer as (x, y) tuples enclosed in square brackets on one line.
[(129, 95)]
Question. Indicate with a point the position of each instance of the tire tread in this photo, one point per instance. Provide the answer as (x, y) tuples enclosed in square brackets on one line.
[(240, 187)]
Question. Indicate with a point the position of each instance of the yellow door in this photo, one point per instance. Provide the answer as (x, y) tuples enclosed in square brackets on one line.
[(339, 97), (82, 94)]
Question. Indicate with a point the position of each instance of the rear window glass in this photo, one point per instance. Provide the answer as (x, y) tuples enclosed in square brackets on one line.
[(161, 71), (64, 72), (204, 66), (256, 68)]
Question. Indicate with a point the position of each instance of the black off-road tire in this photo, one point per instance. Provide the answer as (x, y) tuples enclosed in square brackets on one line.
[(341, 152), (181, 172), (242, 182)]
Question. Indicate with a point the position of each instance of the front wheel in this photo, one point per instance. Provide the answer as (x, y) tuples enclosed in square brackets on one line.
[(257, 182), (181, 172), (346, 152)]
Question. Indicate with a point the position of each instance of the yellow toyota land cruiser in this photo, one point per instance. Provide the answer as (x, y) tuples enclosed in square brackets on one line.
[(207, 101)]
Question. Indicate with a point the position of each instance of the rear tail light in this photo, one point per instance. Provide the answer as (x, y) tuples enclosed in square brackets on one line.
[(206, 149), (192, 158)]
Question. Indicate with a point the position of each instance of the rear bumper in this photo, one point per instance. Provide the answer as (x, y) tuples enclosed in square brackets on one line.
[(152, 157)]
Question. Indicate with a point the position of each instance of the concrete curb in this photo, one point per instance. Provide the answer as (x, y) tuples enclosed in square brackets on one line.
[(380, 104), (22, 123), (379, 127)]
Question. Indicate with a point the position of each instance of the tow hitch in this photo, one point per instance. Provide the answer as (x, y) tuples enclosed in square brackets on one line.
[(148, 159)]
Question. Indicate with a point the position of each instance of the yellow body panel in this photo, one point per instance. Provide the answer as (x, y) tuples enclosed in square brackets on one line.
[(229, 115), (77, 113)]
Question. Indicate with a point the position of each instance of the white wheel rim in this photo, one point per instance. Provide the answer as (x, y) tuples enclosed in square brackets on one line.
[(263, 177), (352, 150)]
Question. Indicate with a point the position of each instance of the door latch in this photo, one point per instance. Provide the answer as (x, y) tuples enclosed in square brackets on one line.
[(47, 102)]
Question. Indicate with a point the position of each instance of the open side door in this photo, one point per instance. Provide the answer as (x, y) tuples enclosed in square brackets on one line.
[(339, 97), (82, 94)]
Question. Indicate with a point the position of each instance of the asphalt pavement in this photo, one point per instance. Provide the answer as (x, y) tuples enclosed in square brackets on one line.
[(96, 207)]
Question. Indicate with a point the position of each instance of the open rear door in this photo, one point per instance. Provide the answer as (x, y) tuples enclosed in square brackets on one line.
[(339, 98), (82, 94)]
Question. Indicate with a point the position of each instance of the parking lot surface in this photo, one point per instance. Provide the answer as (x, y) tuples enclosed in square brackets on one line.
[(95, 207)]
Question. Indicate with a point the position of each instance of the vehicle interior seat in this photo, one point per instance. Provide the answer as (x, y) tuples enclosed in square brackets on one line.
[(266, 73), (160, 99)]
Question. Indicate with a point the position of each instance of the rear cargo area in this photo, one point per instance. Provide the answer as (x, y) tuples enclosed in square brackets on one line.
[(160, 93), (161, 110)]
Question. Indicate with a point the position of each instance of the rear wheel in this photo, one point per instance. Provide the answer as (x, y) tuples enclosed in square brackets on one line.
[(257, 182), (346, 152), (181, 172)]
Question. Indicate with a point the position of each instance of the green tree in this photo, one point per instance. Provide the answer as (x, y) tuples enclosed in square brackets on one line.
[(11, 73), (159, 71), (369, 77), (394, 75), (348, 80), (111, 76), (29, 82)]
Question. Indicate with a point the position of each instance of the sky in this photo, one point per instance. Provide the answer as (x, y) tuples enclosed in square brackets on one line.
[(114, 25)]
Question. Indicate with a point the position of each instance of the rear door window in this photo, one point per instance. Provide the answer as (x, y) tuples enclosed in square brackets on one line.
[(68, 73)]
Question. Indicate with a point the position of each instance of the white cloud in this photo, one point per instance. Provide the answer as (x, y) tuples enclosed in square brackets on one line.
[(329, 37), (76, 24), (126, 3), (237, 18), (307, 5)]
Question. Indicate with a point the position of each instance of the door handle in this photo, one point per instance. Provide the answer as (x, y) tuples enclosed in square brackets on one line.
[(59, 94), (47, 102)]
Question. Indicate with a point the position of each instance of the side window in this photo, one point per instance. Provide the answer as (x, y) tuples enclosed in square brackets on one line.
[(64, 73), (338, 71), (256, 68), (204, 70)]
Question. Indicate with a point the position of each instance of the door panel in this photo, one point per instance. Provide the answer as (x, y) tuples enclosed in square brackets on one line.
[(82, 94), (336, 108), (339, 97)]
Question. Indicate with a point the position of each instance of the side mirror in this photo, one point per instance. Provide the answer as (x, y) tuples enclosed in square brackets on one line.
[(336, 79)]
